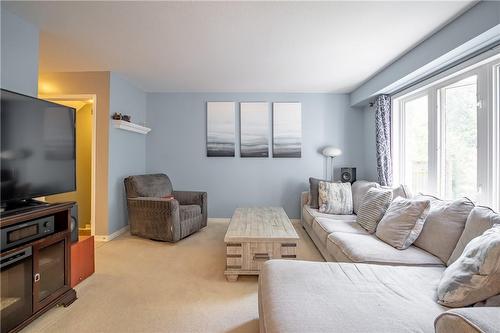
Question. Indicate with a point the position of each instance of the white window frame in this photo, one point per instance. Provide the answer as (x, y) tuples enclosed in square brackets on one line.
[(487, 70)]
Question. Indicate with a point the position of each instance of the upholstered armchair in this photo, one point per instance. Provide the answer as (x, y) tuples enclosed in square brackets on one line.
[(154, 214)]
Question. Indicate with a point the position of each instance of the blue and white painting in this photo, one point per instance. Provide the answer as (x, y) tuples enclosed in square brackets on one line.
[(254, 135), (220, 129), (287, 130)]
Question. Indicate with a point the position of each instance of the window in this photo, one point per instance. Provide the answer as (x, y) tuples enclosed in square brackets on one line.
[(459, 118), (446, 139), (416, 158)]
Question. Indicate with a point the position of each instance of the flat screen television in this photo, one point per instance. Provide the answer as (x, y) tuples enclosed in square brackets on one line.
[(38, 155)]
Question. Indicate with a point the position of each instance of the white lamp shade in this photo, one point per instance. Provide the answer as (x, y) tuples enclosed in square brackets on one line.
[(332, 152)]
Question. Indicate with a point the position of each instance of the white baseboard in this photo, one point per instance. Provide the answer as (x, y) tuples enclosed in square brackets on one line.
[(107, 238)]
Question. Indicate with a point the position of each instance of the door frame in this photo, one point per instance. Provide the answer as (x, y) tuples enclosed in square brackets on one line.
[(81, 98)]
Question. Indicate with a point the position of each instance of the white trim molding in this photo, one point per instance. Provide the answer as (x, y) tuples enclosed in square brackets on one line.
[(107, 238)]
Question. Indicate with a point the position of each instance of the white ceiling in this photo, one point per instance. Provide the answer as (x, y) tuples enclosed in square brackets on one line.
[(233, 46)]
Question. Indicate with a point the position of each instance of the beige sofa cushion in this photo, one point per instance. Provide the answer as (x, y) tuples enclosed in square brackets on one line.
[(369, 249), (309, 214), (323, 227), (400, 191), (374, 205), (479, 220), (469, 320), (359, 189), (475, 275), (443, 226), (301, 296), (403, 222)]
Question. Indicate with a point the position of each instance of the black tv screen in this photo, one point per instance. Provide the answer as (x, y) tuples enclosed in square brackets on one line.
[(38, 153)]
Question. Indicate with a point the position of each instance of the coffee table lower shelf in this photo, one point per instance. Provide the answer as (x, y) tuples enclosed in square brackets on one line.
[(247, 258)]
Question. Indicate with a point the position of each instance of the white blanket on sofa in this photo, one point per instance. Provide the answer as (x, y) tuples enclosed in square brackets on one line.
[(299, 296)]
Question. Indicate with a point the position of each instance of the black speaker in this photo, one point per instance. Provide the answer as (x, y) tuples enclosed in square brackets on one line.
[(348, 175), (74, 223)]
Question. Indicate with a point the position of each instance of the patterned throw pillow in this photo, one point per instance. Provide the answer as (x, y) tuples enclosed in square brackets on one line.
[(403, 222), (335, 198), (475, 275), (373, 207)]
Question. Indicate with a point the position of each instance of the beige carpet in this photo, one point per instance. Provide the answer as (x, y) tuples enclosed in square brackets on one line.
[(146, 286)]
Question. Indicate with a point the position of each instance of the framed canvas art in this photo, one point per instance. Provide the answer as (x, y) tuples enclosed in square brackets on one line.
[(287, 130), (220, 129), (254, 129)]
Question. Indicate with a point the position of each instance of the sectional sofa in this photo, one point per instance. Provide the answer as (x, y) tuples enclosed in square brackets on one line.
[(366, 285)]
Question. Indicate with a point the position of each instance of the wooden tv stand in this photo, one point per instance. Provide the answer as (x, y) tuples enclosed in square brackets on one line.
[(49, 263)]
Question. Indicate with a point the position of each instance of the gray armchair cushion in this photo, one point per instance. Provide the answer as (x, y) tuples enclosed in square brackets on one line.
[(189, 211), (155, 185), (191, 217), (194, 198)]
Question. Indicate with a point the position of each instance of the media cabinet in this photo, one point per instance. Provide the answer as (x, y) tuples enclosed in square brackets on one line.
[(35, 275)]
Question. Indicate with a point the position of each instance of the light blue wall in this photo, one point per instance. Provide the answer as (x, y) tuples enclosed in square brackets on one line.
[(19, 54), (474, 29), (177, 146), (127, 150)]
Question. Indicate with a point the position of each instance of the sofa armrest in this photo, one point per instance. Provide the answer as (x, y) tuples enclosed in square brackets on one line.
[(469, 320), (194, 198), (156, 218), (304, 198)]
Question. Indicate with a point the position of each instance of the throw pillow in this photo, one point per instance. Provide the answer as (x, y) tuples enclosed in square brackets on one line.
[(403, 222), (314, 191), (475, 275), (400, 191), (335, 198), (443, 226), (359, 189), (480, 219), (373, 207)]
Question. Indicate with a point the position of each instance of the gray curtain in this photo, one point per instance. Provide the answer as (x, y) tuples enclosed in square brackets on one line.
[(383, 139)]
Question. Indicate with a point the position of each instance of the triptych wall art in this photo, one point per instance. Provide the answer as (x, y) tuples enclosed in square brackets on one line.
[(220, 129), (254, 129)]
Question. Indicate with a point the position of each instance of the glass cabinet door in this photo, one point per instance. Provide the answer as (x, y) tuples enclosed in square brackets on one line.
[(51, 272), (16, 288)]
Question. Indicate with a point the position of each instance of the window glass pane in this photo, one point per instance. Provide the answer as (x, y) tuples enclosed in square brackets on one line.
[(460, 138), (416, 138)]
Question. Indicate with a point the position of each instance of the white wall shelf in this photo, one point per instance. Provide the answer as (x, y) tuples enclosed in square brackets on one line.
[(128, 126)]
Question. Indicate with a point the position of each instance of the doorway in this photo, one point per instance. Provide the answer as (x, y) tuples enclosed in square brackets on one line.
[(84, 196)]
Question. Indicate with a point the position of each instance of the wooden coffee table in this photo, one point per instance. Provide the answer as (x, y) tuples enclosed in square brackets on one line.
[(256, 235)]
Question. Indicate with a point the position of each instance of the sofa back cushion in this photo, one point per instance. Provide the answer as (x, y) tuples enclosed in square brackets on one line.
[(335, 198), (314, 191), (359, 190), (475, 275), (479, 220), (400, 191), (402, 222), (373, 208), (443, 226)]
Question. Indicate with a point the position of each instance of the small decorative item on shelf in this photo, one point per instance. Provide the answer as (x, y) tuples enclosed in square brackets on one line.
[(126, 117), (117, 116)]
